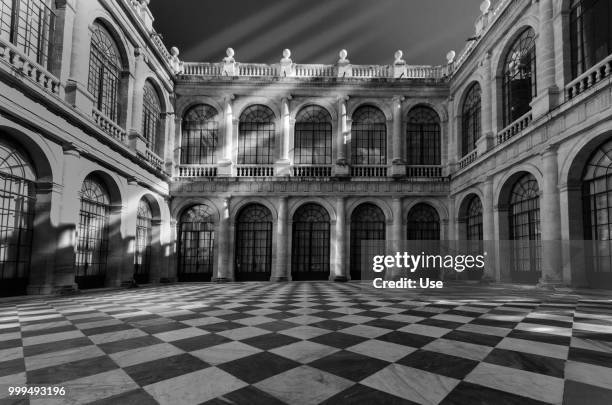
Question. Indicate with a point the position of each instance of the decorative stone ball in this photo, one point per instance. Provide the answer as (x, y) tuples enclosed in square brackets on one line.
[(286, 53), (485, 6), (174, 51), (343, 54), (230, 52), (450, 56)]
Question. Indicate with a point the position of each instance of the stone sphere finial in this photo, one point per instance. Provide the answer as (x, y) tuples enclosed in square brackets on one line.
[(398, 55), (230, 52), (485, 6), (343, 54), (450, 56), (286, 53), (174, 51)]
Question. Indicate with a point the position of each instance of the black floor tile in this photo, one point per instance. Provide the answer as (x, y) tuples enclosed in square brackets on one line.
[(349, 365), (258, 367), (438, 363), (163, 369)]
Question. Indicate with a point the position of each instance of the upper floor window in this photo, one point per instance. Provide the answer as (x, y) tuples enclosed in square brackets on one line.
[(104, 72), (470, 119), (313, 136), (519, 86), (369, 137), (424, 137), (200, 136), (590, 33), (151, 116), (256, 136), (29, 25)]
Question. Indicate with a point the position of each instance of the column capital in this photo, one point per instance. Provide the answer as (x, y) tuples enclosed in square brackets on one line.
[(398, 99), (286, 98), (550, 150), (229, 98), (343, 98)]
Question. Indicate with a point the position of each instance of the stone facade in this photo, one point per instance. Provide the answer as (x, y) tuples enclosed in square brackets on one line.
[(50, 113)]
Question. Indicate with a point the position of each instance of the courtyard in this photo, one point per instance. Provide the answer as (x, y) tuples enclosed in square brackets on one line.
[(309, 343)]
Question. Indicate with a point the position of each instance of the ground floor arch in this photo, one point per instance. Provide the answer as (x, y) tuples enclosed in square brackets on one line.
[(310, 255), (367, 223), (253, 244), (196, 244)]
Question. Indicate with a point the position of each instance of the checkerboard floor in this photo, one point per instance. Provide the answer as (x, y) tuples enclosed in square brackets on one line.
[(309, 343)]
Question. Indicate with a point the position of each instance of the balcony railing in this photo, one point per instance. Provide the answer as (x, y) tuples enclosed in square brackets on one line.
[(590, 78), (30, 69), (155, 160), (254, 171), (311, 171), (306, 71), (468, 159), (369, 171), (192, 171), (424, 171), (515, 128), (109, 126)]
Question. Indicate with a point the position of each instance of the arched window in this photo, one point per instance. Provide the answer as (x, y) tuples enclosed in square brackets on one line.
[(313, 137), (590, 33), (105, 66), (423, 223), (200, 136), (151, 116), (144, 237), (92, 233), (367, 223), (519, 76), (256, 136), (473, 219), (254, 244), (524, 221), (196, 244), (17, 200), (470, 119), (597, 206), (311, 243), (424, 139), (369, 137)]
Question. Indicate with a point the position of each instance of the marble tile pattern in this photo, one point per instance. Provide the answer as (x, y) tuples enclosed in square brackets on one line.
[(309, 343)]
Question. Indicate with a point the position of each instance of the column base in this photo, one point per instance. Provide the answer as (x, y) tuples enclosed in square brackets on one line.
[(545, 102), (550, 285), (66, 289), (39, 289), (398, 170), (341, 171), (167, 280), (221, 280), (282, 168), (340, 279), (280, 279)]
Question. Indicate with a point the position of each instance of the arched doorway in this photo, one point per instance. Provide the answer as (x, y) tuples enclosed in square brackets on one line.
[(17, 200), (196, 244), (144, 237), (597, 213), (472, 232), (423, 223), (310, 243), (254, 244), (367, 223), (524, 227), (92, 244)]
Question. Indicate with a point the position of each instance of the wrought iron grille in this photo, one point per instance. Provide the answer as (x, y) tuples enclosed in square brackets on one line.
[(151, 116), (313, 136), (597, 203), (474, 220), (471, 126), (423, 223), (254, 243), (525, 225), (92, 234), (17, 200), (367, 223), (590, 33), (104, 72), (200, 136), (369, 137), (196, 244), (519, 77), (311, 243), (424, 138), (29, 25), (144, 237), (256, 135)]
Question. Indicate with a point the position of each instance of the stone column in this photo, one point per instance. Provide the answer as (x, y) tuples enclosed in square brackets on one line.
[(282, 242), (550, 220), (282, 166), (135, 135), (223, 253), (61, 48), (488, 230), (399, 165), (341, 168), (157, 252), (76, 85), (225, 153), (487, 138), (341, 259), (547, 91), (396, 206), (118, 272)]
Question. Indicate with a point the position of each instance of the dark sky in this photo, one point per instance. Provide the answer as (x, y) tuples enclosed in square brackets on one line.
[(315, 30)]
